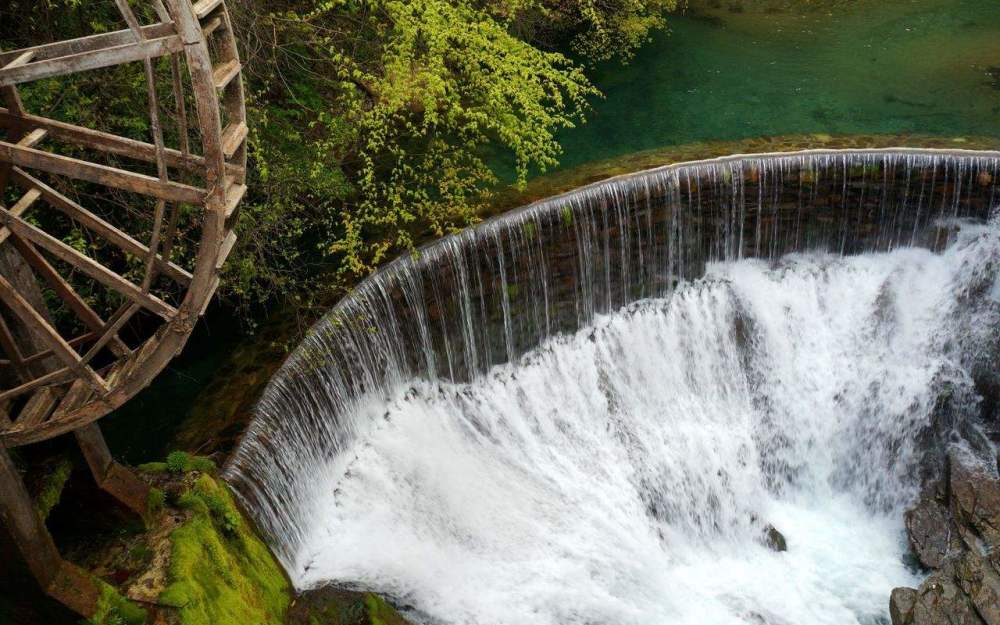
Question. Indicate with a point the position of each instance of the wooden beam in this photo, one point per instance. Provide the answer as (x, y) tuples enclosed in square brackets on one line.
[(86, 264), (91, 59), (33, 319), (89, 43), (94, 223), (54, 377), (66, 292), (20, 208), (23, 59), (103, 141), (100, 174)]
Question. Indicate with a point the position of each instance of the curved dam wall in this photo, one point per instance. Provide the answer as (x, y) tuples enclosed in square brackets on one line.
[(485, 296)]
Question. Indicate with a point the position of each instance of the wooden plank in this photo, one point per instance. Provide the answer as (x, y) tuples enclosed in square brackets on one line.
[(55, 377), (233, 137), (106, 142), (91, 221), (38, 408), (203, 7), (86, 264), (23, 59), (233, 198), (211, 26), (76, 396), (227, 246), (9, 345), (89, 43), (100, 174), (74, 342), (225, 73), (33, 138), (115, 324), (93, 59), (65, 291), (20, 208), (33, 319)]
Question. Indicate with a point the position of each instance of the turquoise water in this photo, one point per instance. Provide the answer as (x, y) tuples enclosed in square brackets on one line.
[(832, 67)]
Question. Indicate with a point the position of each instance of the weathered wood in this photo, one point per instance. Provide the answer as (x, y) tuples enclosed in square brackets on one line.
[(88, 44), (91, 221), (105, 142), (26, 312), (90, 60), (110, 476), (225, 73), (85, 264), (212, 182), (101, 174), (20, 208), (203, 7), (38, 408), (233, 137), (65, 291), (23, 59)]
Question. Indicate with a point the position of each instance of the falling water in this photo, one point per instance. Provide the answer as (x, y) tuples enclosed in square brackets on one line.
[(593, 409)]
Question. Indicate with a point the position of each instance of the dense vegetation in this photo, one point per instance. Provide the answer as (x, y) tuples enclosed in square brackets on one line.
[(376, 123)]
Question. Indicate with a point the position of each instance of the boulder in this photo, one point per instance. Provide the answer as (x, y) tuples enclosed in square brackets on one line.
[(901, 603), (940, 601), (773, 539), (974, 499), (981, 582), (929, 528)]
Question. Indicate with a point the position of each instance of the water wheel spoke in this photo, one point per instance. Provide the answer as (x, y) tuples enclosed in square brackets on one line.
[(107, 231), (92, 59), (84, 263), (106, 142), (60, 348), (101, 174), (65, 291)]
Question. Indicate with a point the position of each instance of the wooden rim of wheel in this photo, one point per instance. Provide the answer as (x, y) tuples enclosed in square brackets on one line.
[(77, 377)]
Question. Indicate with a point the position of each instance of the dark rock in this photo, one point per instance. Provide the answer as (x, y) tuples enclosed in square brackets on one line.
[(929, 528), (901, 603), (981, 582), (940, 601), (774, 540), (975, 500)]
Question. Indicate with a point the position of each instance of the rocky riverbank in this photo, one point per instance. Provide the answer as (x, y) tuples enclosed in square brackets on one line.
[(954, 532)]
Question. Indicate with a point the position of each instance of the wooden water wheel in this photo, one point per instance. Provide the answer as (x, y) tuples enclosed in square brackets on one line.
[(111, 242)]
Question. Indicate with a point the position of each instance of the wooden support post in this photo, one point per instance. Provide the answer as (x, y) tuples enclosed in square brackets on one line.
[(112, 477), (59, 579)]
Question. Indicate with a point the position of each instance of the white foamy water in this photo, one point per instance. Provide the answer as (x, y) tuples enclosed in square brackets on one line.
[(624, 475)]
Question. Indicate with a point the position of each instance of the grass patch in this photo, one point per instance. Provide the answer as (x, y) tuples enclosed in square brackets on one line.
[(220, 572), (114, 609)]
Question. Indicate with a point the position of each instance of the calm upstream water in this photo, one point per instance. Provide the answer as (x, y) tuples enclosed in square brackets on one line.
[(862, 67)]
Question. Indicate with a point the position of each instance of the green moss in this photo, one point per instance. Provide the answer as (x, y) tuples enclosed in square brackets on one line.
[(380, 612), (567, 216), (177, 461), (153, 467), (155, 501), (114, 609), (180, 462), (52, 488), (220, 573), (529, 229)]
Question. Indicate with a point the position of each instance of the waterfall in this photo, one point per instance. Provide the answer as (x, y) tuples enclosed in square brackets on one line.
[(592, 409)]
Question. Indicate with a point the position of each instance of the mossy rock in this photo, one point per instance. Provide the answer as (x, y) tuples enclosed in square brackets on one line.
[(220, 572), (338, 606)]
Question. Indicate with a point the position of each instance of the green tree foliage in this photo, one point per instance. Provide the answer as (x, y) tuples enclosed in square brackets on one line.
[(375, 123)]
